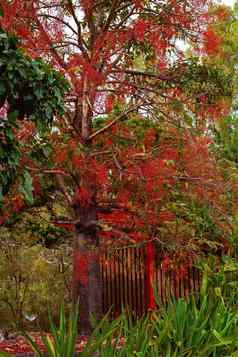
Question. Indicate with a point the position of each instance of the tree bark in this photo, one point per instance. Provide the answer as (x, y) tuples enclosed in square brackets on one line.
[(87, 288)]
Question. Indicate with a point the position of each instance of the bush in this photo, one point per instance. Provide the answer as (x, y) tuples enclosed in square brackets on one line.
[(32, 277)]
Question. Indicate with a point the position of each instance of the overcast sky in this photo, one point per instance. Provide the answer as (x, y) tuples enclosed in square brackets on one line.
[(228, 2)]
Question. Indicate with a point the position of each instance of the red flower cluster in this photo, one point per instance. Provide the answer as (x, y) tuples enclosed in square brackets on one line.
[(166, 262), (138, 3), (139, 30), (83, 196), (26, 131), (212, 42)]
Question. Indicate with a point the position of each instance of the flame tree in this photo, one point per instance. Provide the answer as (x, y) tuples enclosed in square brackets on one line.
[(130, 156)]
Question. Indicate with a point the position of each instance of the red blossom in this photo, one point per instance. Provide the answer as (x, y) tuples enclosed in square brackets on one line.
[(138, 3), (36, 185), (117, 218), (166, 263), (140, 28), (17, 204), (68, 226), (166, 216), (150, 137), (77, 160), (222, 13), (212, 42), (202, 99), (124, 197), (169, 153), (27, 130), (61, 156), (83, 196), (23, 31), (137, 236), (75, 60), (162, 65), (93, 74), (160, 44), (109, 103), (87, 5), (101, 174), (107, 235), (181, 272)]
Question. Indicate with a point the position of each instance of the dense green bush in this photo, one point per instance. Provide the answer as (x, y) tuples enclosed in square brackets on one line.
[(35, 270)]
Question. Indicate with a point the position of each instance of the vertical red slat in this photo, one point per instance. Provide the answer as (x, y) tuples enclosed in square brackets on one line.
[(149, 266), (112, 280), (121, 293), (128, 277), (117, 285), (137, 281)]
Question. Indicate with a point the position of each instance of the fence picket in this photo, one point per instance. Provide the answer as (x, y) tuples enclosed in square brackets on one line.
[(123, 280)]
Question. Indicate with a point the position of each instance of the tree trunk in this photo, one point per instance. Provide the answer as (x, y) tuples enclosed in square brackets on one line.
[(87, 288)]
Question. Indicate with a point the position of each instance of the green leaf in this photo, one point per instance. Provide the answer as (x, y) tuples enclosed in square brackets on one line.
[(32, 344), (12, 116), (9, 133), (2, 89), (26, 188), (49, 346), (1, 196), (223, 340)]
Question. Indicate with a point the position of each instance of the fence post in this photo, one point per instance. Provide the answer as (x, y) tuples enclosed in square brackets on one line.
[(149, 275)]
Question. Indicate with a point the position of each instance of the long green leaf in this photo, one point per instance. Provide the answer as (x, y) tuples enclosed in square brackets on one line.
[(33, 344)]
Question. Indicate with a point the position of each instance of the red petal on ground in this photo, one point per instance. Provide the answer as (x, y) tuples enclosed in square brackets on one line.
[(20, 345)]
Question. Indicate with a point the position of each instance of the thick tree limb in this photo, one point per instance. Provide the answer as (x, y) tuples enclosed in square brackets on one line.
[(114, 121)]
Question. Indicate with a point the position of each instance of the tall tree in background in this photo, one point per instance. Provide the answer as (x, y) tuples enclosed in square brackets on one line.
[(124, 61)]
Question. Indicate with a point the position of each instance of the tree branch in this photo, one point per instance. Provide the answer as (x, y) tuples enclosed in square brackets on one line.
[(81, 43), (59, 20), (63, 188), (49, 42), (111, 15), (114, 121), (136, 72)]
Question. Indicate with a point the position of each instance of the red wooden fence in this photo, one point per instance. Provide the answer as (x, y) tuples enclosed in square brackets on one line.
[(124, 275)]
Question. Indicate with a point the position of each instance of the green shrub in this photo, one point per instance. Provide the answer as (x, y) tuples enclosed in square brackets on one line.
[(32, 277)]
